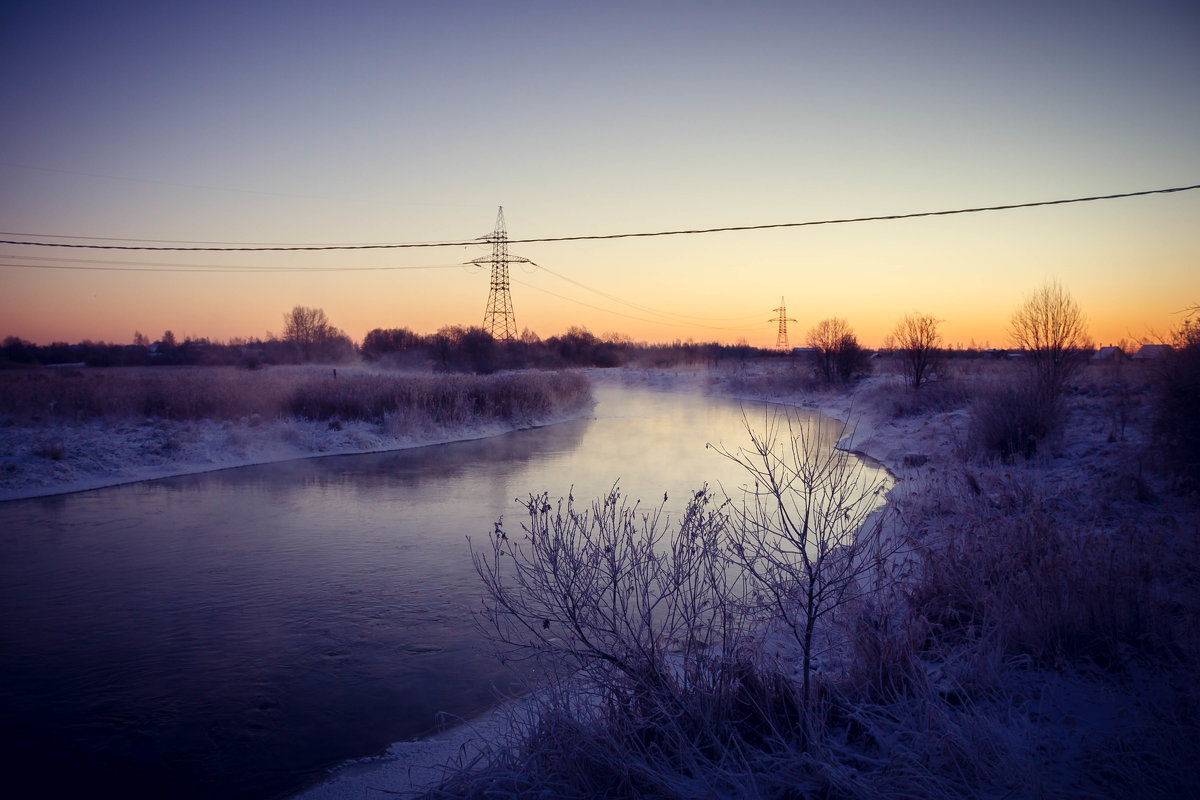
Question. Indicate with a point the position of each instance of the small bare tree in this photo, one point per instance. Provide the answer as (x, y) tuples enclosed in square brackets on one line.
[(919, 346), (804, 531), (1052, 331)]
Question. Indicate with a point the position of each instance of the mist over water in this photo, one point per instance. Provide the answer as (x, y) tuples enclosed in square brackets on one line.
[(238, 632)]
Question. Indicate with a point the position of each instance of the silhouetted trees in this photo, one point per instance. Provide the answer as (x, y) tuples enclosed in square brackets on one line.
[(839, 356), (309, 336), (315, 339), (380, 342)]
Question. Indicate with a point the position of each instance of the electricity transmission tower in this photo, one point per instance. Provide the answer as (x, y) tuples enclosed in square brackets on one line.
[(498, 319), (781, 341)]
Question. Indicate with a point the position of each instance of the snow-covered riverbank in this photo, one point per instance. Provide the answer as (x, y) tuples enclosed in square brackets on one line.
[(45, 454), (57, 458)]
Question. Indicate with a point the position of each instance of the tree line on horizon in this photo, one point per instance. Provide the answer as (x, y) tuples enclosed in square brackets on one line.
[(308, 336)]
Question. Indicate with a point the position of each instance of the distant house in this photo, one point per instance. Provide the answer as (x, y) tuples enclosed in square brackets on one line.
[(1152, 351), (1109, 354)]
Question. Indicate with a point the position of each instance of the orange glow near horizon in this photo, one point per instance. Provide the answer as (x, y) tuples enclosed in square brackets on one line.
[(354, 126)]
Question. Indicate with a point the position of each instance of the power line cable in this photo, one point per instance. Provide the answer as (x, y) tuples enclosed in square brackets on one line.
[(644, 234)]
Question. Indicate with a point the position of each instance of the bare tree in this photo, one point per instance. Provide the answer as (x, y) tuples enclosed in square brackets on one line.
[(804, 532), (919, 346), (310, 331), (305, 326), (1052, 331), (839, 355)]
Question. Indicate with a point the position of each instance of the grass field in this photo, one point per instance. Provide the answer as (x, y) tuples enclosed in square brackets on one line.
[(313, 393)]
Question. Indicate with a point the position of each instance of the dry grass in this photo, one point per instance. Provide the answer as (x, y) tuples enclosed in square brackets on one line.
[(315, 393)]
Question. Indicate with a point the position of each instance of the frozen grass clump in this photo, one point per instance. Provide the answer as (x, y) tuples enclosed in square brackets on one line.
[(1010, 420), (1019, 565), (935, 396)]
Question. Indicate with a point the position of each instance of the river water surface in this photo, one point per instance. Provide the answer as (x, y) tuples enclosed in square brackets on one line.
[(236, 633)]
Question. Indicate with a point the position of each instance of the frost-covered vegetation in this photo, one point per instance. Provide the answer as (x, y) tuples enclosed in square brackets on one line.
[(1027, 629), (303, 392), (71, 428)]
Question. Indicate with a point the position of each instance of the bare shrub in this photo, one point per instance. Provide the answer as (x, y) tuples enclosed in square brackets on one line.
[(645, 612)]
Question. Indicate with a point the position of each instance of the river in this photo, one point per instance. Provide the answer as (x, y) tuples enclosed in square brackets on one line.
[(236, 633)]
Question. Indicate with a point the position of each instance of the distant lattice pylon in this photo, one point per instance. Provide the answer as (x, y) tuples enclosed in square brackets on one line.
[(781, 341), (498, 319)]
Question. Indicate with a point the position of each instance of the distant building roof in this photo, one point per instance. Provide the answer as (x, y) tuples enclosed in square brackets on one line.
[(1152, 351), (1109, 353)]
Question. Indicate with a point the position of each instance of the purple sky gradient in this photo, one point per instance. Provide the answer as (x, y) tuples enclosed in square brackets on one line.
[(398, 122)]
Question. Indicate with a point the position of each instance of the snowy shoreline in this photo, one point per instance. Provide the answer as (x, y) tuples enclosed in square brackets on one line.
[(44, 461)]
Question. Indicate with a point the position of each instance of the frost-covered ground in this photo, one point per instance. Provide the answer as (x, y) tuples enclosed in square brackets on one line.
[(1064, 730), (44, 453), (56, 458), (1050, 721)]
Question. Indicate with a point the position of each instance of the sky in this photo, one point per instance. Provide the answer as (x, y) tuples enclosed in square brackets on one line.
[(397, 122)]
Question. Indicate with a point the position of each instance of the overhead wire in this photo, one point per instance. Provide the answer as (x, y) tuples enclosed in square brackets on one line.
[(609, 236)]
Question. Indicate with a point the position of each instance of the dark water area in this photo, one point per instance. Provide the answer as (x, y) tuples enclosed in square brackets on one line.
[(237, 633)]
